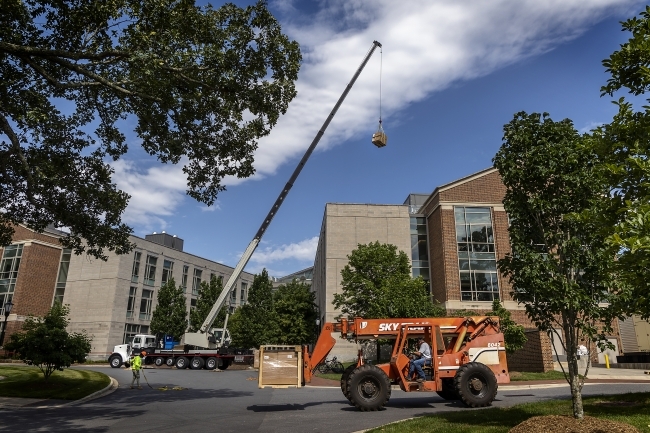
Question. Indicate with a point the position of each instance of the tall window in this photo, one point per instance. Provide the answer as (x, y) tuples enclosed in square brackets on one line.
[(131, 330), (476, 254), (131, 305), (192, 304), (150, 271), (186, 270), (145, 304), (233, 296), (419, 249), (135, 273), (9, 271), (196, 281), (168, 267), (242, 294), (63, 275)]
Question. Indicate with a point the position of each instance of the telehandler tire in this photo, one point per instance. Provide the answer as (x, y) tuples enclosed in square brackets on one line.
[(344, 380), (476, 384), (369, 388), (448, 391)]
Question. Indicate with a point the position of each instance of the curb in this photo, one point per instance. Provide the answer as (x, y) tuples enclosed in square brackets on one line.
[(109, 389)]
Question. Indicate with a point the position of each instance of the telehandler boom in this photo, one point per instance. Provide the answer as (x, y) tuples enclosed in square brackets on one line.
[(468, 359)]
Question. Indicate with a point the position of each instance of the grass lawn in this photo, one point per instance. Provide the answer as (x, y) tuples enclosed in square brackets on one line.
[(628, 408), (23, 381)]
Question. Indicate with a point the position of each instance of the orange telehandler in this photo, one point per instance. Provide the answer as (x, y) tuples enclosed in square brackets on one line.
[(468, 359)]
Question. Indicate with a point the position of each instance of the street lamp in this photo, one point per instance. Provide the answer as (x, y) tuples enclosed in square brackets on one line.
[(7, 307)]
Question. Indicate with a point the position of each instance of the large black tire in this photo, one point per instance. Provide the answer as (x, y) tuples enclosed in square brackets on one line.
[(448, 391), (344, 380), (211, 363), (182, 362), (223, 364), (169, 362), (197, 363), (476, 384), (369, 388), (337, 367), (115, 361), (159, 361)]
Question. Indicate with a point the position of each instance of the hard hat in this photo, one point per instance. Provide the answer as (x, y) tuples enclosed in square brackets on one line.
[(143, 353)]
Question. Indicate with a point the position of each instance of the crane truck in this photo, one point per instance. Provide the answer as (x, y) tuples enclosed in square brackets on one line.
[(468, 359), (200, 347)]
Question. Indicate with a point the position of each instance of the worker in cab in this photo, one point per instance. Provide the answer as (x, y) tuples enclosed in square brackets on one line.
[(136, 366), (421, 357)]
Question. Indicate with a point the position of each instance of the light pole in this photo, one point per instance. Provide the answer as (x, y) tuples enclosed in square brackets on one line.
[(7, 307)]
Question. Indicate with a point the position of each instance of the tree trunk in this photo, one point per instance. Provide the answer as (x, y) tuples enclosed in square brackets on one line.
[(572, 362)]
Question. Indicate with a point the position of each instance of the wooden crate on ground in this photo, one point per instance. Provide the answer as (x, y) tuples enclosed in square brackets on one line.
[(280, 366)]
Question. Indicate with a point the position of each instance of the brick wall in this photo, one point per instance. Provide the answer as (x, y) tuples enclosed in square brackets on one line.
[(536, 356), (486, 188), (36, 280), (436, 256)]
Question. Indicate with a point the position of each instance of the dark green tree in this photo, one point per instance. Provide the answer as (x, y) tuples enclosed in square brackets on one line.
[(45, 342), (514, 335), (623, 148), (170, 315), (377, 283), (202, 85), (208, 294), (295, 313), (254, 323), (560, 266)]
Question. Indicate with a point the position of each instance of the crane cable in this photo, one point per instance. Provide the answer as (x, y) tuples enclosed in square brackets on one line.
[(381, 58)]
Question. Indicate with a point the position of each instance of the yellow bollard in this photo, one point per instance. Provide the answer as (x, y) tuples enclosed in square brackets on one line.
[(606, 361)]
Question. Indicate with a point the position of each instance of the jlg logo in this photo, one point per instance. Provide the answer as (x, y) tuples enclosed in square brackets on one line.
[(388, 327)]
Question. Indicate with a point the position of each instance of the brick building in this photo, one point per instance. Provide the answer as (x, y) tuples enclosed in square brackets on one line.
[(112, 300), (454, 237)]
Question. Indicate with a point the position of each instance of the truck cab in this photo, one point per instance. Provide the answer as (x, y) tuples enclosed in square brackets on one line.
[(143, 342), (216, 334)]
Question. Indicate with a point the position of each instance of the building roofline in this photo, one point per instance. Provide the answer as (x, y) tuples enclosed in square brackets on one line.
[(457, 182)]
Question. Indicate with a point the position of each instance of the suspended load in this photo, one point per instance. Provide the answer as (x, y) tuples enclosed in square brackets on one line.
[(379, 138)]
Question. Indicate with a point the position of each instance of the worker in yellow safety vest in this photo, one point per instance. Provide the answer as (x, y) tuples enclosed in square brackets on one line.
[(136, 365)]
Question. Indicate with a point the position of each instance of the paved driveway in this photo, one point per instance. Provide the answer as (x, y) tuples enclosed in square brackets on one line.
[(230, 401)]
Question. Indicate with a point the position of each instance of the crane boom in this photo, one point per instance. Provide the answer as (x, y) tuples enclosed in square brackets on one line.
[(200, 338)]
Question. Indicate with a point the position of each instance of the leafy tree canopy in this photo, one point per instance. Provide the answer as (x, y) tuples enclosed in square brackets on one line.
[(45, 342), (201, 85), (623, 147), (296, 313), (170, 315), (208, 294), (560, 267), (377, 283)]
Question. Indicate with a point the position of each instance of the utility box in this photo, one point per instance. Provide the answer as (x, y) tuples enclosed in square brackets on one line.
[(280, 367)]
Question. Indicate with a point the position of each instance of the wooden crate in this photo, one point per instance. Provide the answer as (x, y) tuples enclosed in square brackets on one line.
[(280, 367), (379, 139)]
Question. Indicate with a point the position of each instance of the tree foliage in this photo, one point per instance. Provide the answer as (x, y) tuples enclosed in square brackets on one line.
[(170, 315), (295, 314), (44, 342), (254, 323), (514, 335), (623, 147), (208, 294), (201, 85), (377, 283), (560, 267)]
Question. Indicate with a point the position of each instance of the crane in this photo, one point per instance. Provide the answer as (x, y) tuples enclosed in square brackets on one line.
[(202, 337)]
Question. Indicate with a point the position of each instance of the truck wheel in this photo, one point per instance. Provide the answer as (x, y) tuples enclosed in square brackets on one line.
[(182, 362), (344, 380), (448, 391), (369, 388), (223, 365), (159, 361), (115, 361), (211, 363), (197, 363), (169, 362), (475, 384)]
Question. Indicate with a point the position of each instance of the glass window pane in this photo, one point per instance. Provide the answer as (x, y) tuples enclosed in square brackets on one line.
[(461, 233), (473, 218), (459, 215)]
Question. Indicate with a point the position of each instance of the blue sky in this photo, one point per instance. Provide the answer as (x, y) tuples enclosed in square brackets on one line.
[(453, 74)]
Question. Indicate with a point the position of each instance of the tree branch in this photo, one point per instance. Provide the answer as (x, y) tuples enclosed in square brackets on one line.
[(42, 52), (6, 128), (75, 85)]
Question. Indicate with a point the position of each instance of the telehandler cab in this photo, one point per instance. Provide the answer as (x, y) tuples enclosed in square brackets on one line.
[(468, 359)]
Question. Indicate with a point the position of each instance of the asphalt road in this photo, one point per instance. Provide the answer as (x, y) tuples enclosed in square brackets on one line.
[(230, 401)]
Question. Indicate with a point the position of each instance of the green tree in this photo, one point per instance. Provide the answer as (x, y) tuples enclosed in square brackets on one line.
[(255, 323), (201, 85), (377, 283), (623, 148), (45, 342), (560, 267), (208, 294), (170, 315), (514, 335), (295, 313)]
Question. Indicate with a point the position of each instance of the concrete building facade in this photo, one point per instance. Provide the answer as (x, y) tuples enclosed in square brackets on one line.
[(111, 300)]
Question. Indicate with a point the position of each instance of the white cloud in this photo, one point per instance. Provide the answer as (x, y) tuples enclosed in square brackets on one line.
[(589, 127), (428, 46), (303, 251)]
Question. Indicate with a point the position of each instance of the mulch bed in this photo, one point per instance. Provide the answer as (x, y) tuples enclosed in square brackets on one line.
[(569, 424)]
